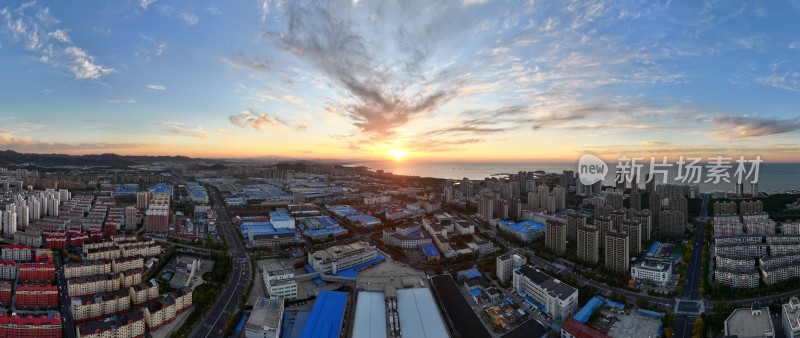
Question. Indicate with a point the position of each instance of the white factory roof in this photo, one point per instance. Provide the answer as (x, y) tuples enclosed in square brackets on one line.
[(419, 317), (370, 321)]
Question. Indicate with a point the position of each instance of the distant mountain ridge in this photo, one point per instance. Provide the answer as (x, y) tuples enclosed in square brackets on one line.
[(10, 157)]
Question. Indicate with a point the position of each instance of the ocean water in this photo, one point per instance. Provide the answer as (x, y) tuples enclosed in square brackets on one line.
[(772, 176)]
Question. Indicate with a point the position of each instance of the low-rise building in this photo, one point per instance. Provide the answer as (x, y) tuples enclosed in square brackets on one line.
[(17, 253), (737, 278), (8, 270), (144, 292), (39, 297), (749, 323), (130, 277), (37, 272), (550, 295), (791, 318), (159, 313), (83, 286), (652, 271), (127, 263), (279, 279), (341, 257), (5, 293), (45, 326), (265, 319), (91, 308), (87, 268), (128, 325)]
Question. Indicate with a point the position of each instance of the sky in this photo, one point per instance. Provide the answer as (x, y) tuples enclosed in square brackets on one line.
[(425, 80)]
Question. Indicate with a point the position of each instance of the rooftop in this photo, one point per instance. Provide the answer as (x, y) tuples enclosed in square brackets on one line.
[(326, 316), (744, 323), (370, 318), (267, 315), (554, 286), (419, 316)]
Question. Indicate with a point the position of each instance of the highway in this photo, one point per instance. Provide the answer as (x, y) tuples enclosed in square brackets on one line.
[(213, 324), (690, 303)]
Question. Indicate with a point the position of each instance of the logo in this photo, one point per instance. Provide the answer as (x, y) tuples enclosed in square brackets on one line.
[(591, 169)]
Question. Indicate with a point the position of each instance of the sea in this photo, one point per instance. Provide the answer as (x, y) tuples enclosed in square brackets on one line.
[(773, 177)]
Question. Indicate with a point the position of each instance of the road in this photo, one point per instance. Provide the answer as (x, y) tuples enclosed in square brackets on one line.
[(213, 324), (66, 309), (690, 303)]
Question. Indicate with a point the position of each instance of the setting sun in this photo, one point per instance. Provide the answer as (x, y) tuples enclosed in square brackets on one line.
[(397, 153)]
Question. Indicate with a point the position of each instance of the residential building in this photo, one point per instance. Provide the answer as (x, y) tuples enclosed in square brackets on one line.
[(143, 292), (617, 252), (37, 273), (556, 236), (8, 270), (127, 325), (44, 326), (90, 308), (39, 297), (737, 278), (589, 244), (86, 268), (17, 253), (574, 221)]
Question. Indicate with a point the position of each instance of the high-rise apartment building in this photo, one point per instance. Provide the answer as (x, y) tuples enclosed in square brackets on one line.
[(617, 252), (588, 244), (556, 236)]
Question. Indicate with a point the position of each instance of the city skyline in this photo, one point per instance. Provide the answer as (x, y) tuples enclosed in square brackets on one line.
[(458, 80)]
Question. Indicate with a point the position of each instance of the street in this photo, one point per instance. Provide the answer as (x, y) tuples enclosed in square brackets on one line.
[(689, 305), (213, 324)]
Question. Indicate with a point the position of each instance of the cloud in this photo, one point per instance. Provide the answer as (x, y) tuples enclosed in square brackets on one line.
[(60, 35), (189, 18), (38, 30), (179, 128), (146, 3), (257, 121), (122, 101), (252, 64), (653, 143), (263, 121), (213, 10), (787, 81), (264, 10), (292, 99), (731, 127), (7, 138), (156, 87)]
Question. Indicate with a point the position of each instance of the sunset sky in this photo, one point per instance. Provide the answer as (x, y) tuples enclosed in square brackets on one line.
[(472, 79)]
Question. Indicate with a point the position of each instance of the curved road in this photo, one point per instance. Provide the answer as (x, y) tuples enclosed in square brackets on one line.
[(213, 324)]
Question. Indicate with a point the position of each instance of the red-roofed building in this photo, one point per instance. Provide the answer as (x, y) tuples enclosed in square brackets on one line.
[(30, 326), (36, 297), (5, 293), (575, 329), (56, 241), (78, 239), (37, 272), (95, 236)]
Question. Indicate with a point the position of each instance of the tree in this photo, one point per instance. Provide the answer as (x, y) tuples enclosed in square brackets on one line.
[(667, 332)]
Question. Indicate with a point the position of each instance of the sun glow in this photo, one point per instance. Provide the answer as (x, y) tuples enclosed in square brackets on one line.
[(398, 154)]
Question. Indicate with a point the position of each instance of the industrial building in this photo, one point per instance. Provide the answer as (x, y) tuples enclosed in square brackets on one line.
[(370, 318), (749, 322), (327, 315), (550, 295), (419, 315), (265, 319), (341, 257)]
